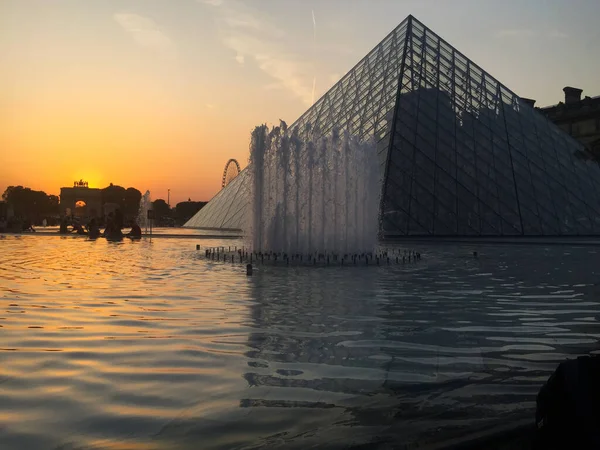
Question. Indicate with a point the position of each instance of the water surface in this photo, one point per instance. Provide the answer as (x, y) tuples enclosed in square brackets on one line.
[(144, 345)]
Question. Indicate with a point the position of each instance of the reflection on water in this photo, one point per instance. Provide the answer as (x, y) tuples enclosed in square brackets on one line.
[(146, 345)]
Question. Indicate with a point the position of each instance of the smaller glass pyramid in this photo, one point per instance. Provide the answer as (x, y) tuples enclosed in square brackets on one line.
[(227, 209)]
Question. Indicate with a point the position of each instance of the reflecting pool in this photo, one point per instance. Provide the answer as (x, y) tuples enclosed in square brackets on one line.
[(145, 345)]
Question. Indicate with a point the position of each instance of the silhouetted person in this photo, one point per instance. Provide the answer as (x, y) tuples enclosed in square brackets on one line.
[(63, 226), (78, 228), (110, 224), (136, 231), (112, 231), (27, 225), (93, 229)]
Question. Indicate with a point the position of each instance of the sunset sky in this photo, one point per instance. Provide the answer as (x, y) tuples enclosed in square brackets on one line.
[(159, 94)]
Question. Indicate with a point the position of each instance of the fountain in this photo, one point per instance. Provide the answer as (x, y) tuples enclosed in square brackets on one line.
[(317, 196), (145, 206)]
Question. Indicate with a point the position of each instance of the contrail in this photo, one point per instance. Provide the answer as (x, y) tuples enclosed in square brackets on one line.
[(314, 53)]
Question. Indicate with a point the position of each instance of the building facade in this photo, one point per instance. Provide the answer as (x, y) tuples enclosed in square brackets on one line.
[(578, 117)]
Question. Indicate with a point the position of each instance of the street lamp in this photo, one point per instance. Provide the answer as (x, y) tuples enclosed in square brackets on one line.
[(169, 198)]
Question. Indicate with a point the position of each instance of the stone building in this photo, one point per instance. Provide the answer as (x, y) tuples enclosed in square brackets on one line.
[(81, 200), (578, 117)]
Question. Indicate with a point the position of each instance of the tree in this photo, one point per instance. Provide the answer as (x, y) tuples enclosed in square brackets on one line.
[(31, 204), (127, 199), (186, 210), (162, 213), (54, 204), (132, 201), (161, 208)]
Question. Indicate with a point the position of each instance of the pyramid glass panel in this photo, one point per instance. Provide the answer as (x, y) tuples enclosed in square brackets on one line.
[(461, 155), (227, 208)]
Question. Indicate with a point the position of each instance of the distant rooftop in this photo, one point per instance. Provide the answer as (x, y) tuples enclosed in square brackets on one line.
[(572, 97)]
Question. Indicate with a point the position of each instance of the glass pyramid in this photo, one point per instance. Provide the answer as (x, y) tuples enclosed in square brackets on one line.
[(461, 155), (227, 209)]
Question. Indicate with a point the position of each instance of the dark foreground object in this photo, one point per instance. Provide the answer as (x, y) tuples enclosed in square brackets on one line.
[(568, 406), (567, 415)]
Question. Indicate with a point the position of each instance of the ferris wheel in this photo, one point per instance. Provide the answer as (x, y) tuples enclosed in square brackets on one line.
[(232, 170)]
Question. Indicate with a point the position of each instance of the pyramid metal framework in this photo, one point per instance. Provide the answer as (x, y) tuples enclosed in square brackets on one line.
[(227, 209), (461, 155)]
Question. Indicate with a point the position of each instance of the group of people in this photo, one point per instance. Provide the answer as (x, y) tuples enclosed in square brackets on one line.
[(112, 230), (15, 225)]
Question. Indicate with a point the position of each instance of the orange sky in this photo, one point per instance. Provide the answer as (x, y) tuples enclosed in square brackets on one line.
[(145, 94)]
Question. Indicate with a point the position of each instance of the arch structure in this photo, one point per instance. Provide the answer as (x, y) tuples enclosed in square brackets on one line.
[(81, 200)]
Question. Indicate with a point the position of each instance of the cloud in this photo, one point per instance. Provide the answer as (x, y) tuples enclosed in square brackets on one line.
[(210, 105), (273, 87), (253, 36), (145, 32)]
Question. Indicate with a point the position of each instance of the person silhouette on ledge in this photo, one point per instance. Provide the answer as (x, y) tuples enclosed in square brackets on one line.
[(136, 231), (78, 228)]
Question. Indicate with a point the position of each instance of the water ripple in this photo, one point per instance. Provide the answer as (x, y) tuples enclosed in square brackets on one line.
[(145, 345)]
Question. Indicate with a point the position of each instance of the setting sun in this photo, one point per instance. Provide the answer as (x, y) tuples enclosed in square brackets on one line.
[(159, 98)]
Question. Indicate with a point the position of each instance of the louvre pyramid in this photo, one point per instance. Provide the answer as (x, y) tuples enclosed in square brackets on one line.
[(461, 155)]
